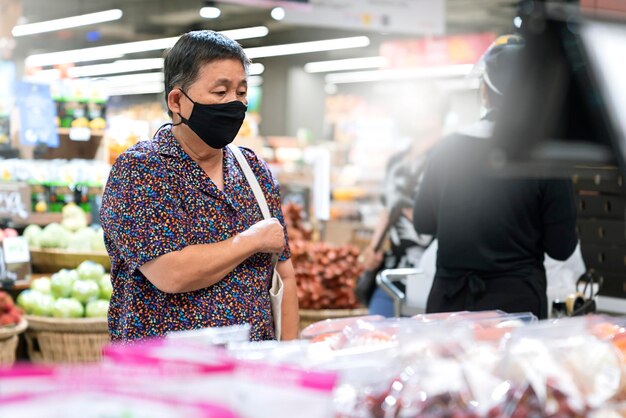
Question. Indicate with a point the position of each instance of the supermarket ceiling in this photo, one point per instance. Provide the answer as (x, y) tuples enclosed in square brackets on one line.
[(150, 19)]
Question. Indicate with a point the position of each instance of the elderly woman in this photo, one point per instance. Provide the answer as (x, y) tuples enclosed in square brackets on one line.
[(188, 243)]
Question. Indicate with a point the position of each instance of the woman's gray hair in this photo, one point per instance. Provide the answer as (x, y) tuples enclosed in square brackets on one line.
[(192, 51)]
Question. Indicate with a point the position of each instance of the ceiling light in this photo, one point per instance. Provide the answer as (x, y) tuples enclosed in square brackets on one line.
[(121, 66), (278, 13), (307, 47), (255, 81), (118, 50), (66, 23), (460, 70), (256, 69), (150, 88), (132, 79), (345, 64), (210, 12), (246, 33)]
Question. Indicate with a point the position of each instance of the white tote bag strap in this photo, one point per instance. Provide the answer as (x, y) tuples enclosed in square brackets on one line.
[(254, 184), (252, 180)]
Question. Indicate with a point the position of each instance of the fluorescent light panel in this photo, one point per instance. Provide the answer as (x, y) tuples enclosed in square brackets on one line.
[(67, 23), (345, 64), (210, 12), (400, 74), (121, 66), (256, 69), (149, 88), (307, 47), (118, 50), (255, 81), (134, 79)]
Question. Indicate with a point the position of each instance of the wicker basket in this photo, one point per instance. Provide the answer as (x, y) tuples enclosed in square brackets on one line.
[(310, 316), (55, 340), (9, 337), (48, 260)]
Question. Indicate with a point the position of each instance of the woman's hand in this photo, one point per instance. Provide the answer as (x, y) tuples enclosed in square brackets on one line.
[(371, 259), (267, 236)]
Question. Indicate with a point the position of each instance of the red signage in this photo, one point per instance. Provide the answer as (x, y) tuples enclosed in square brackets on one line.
[(429, 52)]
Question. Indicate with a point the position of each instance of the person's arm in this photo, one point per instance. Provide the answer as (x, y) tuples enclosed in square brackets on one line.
[(559, 219), (372, 258), (199, 266), (424, 207), (290, 316)]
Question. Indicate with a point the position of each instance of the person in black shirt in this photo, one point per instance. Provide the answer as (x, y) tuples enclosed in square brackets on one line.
[(492, 231)]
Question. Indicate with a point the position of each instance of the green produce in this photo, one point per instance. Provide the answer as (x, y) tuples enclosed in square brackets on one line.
[(97, 241), (74, 218), (97, 309), (32, 233), (43, 305), (28, 299), (80, 240), (85, 291), (54, 236), (61, 283), (89, 270), (42, 285), (67, 308), (106, 287)]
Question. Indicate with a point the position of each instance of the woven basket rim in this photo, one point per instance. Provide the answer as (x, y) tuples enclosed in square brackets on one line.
[(62, 251), (82, 325), (337, 313), (8, 332)]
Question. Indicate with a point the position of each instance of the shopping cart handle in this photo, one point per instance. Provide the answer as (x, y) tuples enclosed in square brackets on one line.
[(387, 279)]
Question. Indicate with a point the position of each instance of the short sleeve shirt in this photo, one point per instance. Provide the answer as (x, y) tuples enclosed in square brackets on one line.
[(159, 200)]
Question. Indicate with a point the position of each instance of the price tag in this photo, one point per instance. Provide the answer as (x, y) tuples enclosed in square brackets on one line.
[(15, 201), (16, 250)]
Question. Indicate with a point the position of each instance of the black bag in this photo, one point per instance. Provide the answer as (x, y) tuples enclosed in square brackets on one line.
[(365, 287)]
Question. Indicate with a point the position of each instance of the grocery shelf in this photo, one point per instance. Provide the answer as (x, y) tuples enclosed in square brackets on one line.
[(43, 219), (66, 131)]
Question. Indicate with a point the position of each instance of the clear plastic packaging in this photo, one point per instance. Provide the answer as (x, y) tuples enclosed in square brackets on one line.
[(321, 330), (216, 336), (91, 403)]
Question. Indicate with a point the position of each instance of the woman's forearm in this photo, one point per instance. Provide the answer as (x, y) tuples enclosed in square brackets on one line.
[(290, 316), (197, 266)]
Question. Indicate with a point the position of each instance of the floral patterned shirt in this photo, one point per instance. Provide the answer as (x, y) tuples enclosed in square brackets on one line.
[(158, 200)]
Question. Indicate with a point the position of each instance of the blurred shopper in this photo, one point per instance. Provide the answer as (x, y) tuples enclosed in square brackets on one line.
[(492, 232), (187, 239), (396, 220)]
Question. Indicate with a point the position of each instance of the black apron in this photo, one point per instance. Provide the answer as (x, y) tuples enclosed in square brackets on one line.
[(474, 292)]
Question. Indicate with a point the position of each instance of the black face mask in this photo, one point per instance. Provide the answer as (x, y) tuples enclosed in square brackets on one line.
[(216, 124)]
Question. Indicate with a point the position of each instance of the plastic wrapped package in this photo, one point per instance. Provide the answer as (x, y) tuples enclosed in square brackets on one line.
[(568, 370), (215, 336), (22, 379), (327, 328), (458, 316), (273, 352), (253, 389), (610, 411), (92, 403)]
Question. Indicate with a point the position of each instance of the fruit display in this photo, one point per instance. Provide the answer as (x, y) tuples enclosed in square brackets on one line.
[(7, 233), (71, 234), (82, 292), (325, 274), (54, 183), (10, 314), (438, 366)]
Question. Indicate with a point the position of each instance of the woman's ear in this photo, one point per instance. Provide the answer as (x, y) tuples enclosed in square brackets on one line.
[(173, 101)]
